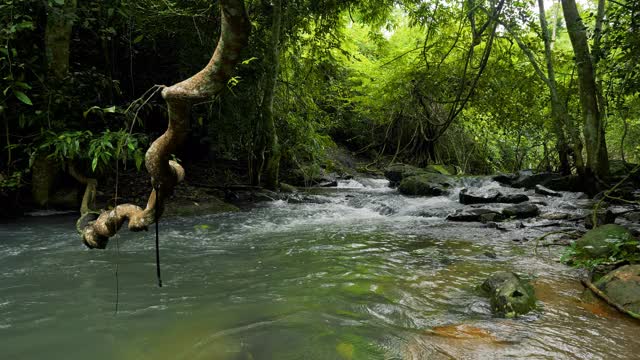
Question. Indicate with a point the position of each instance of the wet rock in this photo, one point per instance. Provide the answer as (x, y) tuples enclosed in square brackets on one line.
[(633, 217), (467, 198), (286, 188), (506, 179), (571, 183), (490, 255), (545, 191), (395, 173), (512, 198), (328, 183), (480, 215), (509, 294), (555, 216), (602, 218), (426, 184), (441, 169), (528, 179), (623, 287), (604, 242), (521, 211)]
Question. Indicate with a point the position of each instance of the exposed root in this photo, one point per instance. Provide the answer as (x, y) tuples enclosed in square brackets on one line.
[(166, 174)]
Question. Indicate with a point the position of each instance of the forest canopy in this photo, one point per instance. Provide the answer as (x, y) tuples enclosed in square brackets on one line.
[(484, 86)]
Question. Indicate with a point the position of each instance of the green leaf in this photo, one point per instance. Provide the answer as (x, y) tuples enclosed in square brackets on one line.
[(94, 164), (138, 39), (59, 2), (22, 97), (111, 109)]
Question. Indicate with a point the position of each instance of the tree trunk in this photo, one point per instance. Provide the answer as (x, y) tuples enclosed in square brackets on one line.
[(558, 112), (165, 174), (597, 157), (58, 38), (269, 148)]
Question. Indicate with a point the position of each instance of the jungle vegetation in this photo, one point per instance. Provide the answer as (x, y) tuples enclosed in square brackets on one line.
[(484, 85)]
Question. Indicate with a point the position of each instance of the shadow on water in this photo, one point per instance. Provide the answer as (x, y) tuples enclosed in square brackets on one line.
[(360, 273)]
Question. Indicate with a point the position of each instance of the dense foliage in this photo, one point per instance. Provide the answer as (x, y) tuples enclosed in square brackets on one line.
[(397, 81)]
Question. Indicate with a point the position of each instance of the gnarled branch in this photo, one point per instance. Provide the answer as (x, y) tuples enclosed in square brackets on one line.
[(165, 174)]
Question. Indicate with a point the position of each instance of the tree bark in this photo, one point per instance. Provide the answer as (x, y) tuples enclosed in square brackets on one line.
[(165, 174), (597, 157), (558, 112), (269, 149), (58, 38)]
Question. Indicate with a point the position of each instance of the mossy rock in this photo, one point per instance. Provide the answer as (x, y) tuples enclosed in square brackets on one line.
[(286, 188), (441, 169), (623, 287), (397, 172), (521, 211), (604, 241), (427, 184), (509, 294)]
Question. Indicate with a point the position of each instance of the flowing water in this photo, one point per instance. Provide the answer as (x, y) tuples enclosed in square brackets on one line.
[(358, 272)]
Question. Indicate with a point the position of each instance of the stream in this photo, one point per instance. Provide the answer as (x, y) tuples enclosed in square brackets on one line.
[(355, 272)]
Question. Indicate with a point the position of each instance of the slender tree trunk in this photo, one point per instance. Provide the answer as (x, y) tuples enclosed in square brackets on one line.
[(597, 157), (58, 38), (269, 154), (165, 174), (558, 112)]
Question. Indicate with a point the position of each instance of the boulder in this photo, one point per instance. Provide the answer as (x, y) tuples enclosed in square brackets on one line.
[(605, 241), (396, 172), (547, 192), (528, 179), (602, 218), (521, 211), (467, 198), (566, 183), (286, 188), (512, 198), (622, 286), (506, 179), (481, 215), (509, 295), (441, 169), (426, 184)]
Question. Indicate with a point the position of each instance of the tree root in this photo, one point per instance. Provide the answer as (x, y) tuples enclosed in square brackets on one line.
[(166, 174)]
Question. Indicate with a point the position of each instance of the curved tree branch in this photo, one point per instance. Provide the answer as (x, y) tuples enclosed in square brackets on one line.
[(165, 174)]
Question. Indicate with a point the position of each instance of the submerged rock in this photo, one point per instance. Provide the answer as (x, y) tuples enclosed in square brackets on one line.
[(545, 191), (521, 211), (605, 241), (426, 184), (622, 286), (509, 294)]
